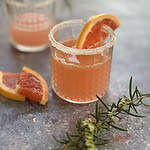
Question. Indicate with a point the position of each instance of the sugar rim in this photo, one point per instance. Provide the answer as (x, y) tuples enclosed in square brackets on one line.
[(75, 51), (28, 4)]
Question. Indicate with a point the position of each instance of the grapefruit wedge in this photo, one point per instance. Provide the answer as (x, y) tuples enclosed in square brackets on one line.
[(8, 82), (92, 34), (32, 86)]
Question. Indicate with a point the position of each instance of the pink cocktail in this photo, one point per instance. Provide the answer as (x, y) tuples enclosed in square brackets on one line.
[(78, 75)]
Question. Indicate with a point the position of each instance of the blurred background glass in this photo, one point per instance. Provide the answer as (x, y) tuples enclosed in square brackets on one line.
[(29, 23)]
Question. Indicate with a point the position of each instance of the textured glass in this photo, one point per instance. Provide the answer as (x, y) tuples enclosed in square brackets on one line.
[(79, 74), (29, 23)]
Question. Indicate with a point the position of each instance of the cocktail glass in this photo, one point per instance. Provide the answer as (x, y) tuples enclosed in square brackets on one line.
[(29, 23), (78, 75)]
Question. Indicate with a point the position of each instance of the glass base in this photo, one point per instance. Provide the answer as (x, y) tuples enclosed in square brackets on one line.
[(28, 49), (75, 102)]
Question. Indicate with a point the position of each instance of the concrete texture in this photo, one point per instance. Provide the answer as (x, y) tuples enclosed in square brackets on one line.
[(29, 126)]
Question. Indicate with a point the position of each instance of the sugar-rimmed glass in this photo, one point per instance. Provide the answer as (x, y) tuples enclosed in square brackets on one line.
[(78, 75)]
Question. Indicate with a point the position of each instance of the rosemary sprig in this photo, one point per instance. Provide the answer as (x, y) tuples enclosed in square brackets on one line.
[(91, 132)]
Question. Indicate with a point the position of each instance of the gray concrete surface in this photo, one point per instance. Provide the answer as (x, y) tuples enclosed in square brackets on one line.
[(28, 126)]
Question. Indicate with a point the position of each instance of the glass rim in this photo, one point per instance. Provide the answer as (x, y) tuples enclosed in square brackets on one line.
[(75, 51), (27, 4)]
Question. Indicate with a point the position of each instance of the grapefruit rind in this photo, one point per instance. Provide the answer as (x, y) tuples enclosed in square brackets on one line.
[(9, 93), (90, 24), (42, 81)]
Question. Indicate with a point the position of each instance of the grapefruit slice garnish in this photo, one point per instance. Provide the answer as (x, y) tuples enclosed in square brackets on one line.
[(91, 35), (32, 86), (8, 82)]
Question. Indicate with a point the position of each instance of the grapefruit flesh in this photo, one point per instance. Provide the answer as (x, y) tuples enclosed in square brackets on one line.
[(8, 82), (32, 86), (92, 35), (10, 79)]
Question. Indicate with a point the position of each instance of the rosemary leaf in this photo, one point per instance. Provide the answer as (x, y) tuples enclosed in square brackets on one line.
[(134, 108), (102, 102), (118, 128), (130, 88), (133, 114)]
